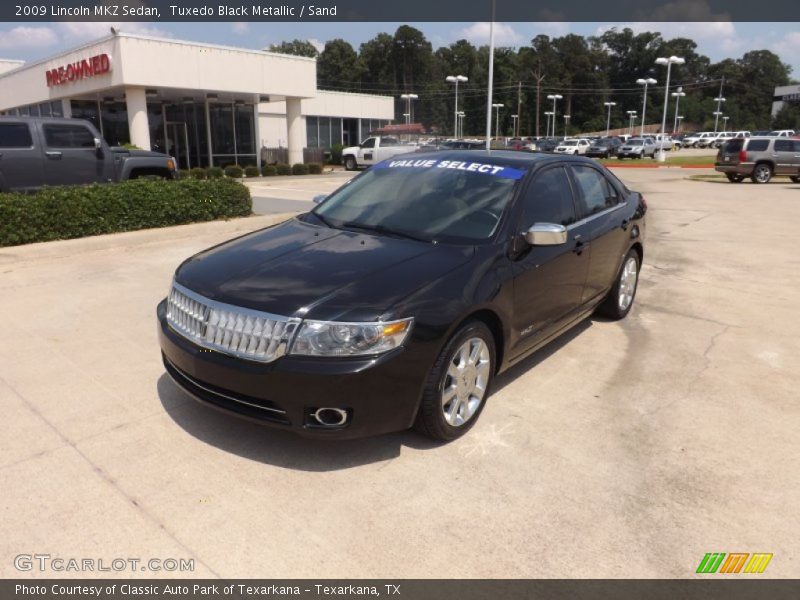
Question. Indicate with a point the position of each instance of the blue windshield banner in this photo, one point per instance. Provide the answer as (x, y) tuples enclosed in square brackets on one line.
[(504, 172)]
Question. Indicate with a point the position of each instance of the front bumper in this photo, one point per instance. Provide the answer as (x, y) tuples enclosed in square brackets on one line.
[(629, 155), (380, 395)]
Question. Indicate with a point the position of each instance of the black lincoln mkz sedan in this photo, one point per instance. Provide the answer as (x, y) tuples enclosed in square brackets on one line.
[(396, 301)]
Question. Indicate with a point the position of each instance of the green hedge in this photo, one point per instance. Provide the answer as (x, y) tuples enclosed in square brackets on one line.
[(314, 169), (269, 170), (56, 213), (283, 169), (234, 171), (251, 172), (299, 169), (215, 172), (199, 173)]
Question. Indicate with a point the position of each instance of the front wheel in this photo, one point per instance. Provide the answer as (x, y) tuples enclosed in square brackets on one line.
[(619, 301), (350, 163), (458, 384), (762, 173)]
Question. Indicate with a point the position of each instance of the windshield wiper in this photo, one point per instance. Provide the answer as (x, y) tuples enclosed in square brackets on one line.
[(323, 220), (385, 230)]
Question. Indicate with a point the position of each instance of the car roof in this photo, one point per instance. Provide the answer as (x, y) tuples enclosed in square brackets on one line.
[(510, 158)]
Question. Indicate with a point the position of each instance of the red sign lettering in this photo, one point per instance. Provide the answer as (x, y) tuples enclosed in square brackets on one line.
[(80, 69)]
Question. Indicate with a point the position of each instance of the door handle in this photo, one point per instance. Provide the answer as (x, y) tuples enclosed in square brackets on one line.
[(53, 155), (579, 247)]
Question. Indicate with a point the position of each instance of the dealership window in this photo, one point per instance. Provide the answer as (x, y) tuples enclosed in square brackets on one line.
[(45, 110), (233, 134), (88, 110), (336, 131), (114, 117), (15, 135), (324, 132), (312, 132), (56, 109)]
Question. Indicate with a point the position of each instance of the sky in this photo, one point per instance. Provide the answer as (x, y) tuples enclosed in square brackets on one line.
[(718, 40)]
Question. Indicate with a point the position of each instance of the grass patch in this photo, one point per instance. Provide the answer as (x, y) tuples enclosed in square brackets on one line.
[(672, 161)]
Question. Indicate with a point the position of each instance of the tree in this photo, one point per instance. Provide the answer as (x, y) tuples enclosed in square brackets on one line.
[(788, 117), (339, 66), (296, 47)]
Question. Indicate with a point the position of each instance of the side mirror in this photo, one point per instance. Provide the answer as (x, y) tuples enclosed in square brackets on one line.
[(319, 199), (98, 143), (546, 234)]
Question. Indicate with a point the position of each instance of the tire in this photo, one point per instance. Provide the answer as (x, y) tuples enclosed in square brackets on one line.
[(762, 173), (350, 163), (795, 178), (734, 177), (620, 298), (431, 419)]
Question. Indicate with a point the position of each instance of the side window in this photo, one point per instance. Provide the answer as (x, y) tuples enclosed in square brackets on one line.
[(784, 146), (597, 194), (68, 136), (757, 145), (368, 143), (15, 135), (549, 200)]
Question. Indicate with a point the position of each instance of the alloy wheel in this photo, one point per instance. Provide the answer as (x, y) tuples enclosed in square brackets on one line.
[(465, 381), (627, 283)]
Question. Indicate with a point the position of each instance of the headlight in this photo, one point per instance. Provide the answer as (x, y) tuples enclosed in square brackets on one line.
[(333, 338)]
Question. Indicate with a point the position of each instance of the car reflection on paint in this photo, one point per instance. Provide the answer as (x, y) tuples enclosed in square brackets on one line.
[(398, 299)]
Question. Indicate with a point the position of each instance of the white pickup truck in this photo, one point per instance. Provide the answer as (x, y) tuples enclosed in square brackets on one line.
[(373, 150)]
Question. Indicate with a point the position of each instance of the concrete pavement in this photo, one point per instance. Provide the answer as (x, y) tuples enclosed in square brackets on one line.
[(623, 450)]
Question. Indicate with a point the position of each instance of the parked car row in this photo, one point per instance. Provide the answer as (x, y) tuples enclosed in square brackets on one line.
[(711, 139)]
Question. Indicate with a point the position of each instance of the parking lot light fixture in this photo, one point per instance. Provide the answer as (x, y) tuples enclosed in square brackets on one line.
[(608, 120), (555, 98), (645, 83), (631, 119), (677, 95), (497, 107), (719, 100), (668, 62), (409, 98), (514, 119), (456, 79), (566, 124), (548, 114)]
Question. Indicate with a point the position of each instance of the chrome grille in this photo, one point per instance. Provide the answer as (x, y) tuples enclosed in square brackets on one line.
[(234, 330)]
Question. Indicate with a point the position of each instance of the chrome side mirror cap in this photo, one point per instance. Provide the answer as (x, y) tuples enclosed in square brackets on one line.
[(98, 143), (546, 234), (319, 199)]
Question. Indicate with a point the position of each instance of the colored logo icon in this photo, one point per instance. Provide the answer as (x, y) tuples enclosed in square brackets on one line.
[(734, 562)]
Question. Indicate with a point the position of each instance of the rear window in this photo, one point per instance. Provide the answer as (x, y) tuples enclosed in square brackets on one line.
[(68, 136), (758, 145), (15, 135), (733, 145)]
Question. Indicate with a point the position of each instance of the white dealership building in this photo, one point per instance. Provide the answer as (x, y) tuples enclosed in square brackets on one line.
[(205, 104)]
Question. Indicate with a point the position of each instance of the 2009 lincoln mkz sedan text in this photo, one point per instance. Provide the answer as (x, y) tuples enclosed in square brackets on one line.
[(396, 301)]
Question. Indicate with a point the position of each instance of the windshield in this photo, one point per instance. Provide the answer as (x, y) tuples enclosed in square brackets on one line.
[(428, 199), (635, 142), (570, 143)]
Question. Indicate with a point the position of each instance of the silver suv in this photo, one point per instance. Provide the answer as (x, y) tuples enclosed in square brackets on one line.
[(759, 158)]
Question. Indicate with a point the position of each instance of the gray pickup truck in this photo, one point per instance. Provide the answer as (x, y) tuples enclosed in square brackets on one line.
[(48, 151)]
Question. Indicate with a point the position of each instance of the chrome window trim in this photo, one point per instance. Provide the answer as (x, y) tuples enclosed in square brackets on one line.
[(602, 213), (291, 326)]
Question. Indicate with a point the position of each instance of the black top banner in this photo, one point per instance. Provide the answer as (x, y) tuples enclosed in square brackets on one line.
[(403, 10)]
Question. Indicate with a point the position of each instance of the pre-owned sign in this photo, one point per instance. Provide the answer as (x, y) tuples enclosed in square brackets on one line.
[(80, 69)]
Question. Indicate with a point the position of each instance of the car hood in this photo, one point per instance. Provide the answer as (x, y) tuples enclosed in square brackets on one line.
[(300, 269), (138, 153)]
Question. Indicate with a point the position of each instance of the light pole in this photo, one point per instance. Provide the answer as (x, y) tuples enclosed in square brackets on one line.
[(514, 124), (461, 115), (645, 83), (725, 123), (719, 101), (566, 124), (555, 98), (677, 95), (549, 114), (672, 60), (631, 119), (456, 79), (497, 108), (717, 114), (407, 117), (678, 119), (608, 120), (408, 98)]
